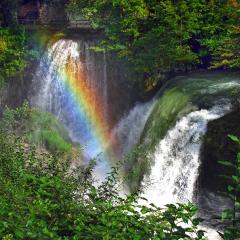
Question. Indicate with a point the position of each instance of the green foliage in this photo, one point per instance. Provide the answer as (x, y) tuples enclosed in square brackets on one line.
[(139, 158), (39, 128), (168, 109), (13, 51), (231, 216), (220, 33), (42, 197), (54, 142), (158, 36)]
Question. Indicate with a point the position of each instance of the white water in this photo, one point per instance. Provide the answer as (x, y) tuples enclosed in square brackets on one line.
[(176, 158), (53, 95), (130, 127)]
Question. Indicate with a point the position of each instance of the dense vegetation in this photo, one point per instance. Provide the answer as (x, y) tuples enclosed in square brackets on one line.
[(18, 47), (14, 51), (231, 216), (155, 36), (41, 129), (158, 36), (41, 198)]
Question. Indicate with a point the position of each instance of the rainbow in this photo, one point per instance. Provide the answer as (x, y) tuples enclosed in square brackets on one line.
[(89, 105)]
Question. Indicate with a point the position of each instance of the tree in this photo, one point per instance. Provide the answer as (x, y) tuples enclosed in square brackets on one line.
[(17, 49), (158, 36)]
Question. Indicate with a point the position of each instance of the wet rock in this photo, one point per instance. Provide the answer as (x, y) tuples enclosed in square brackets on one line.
[(218, 147)]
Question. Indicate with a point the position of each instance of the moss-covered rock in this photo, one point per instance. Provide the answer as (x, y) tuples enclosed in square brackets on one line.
[(41, 129)]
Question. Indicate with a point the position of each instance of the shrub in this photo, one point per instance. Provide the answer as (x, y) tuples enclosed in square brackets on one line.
[(42, 197), (232, 216), (39, 128), (14, 51)]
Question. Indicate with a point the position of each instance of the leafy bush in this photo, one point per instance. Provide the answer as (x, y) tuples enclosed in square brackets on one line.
[(232, 216), (43, 197), (39, 128), (14, 51), (54, 142)]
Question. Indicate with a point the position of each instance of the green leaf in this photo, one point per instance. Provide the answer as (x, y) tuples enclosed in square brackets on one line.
[(227, 163), (234, 138)]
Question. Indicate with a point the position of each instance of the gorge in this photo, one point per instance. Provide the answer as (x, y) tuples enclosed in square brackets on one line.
[(74, 84), (119, 120)]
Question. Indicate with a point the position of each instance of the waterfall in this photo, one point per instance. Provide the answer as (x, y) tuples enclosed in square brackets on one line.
[(176, 158), (80, 88), (105, 84), (129, 129), (72, 84)]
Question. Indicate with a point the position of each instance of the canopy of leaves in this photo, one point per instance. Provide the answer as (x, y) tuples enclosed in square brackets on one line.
[(163, 35)]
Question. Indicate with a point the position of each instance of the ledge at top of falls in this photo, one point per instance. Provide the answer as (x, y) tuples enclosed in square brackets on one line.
[(35, 14)]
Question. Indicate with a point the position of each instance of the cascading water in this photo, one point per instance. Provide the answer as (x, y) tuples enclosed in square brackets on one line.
[(176, 158), (74, 84), (129, 129), (74, 91), (175, 129), (173, 137)]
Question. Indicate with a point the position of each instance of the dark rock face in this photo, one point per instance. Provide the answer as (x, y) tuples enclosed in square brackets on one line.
[(29, 10), (46, 13), (122, 90), (17, 88), (218, 147), (53, 14)]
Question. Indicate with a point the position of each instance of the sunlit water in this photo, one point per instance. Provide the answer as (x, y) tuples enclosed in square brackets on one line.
[(176, 159)]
